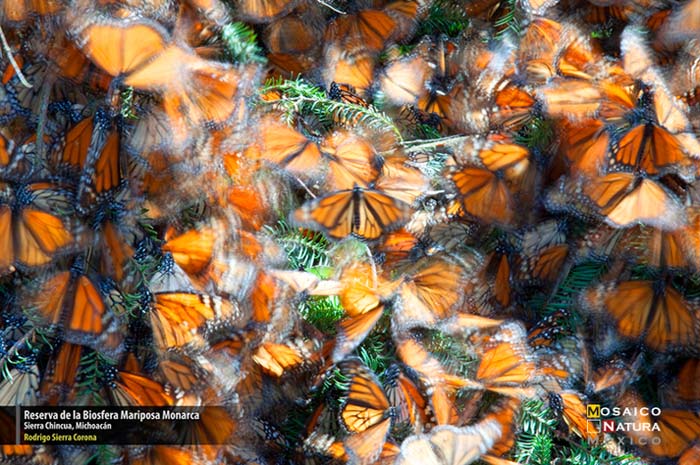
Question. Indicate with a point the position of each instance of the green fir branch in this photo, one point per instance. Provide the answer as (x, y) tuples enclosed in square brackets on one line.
[(534, 442), (104, 455), (299, 97), (95, 370), (306, 250), (242, 44), (322, 312), (579, 278), (511, 22), (444, 17)]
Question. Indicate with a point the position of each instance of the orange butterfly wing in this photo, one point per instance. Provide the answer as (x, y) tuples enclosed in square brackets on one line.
[(122, 47), (38, 235), (88, 308), (484, 195)]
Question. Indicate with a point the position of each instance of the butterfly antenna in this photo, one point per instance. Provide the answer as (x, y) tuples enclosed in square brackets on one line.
[(8, 52), (328, 5), (373, 264), (306, 188)]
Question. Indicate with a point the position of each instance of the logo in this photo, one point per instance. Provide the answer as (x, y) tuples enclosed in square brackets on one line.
[(617, 420), (608, 426), (593, 410)]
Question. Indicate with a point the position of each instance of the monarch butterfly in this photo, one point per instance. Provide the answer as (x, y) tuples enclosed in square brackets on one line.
[(484, 195), (453, 235), (8, 427), (166, 455), (363, 213), (449, 445), (346, 93), (649, 148), (434, 377), (688, 382), (249, 204), (690, 456), (499, 272), (288, 148), (352, 161), (442, 88), (276, 359), (136, 390), (515, 107), (21, 10), (430, 292), (365, 404), (6, 148), (28, 233), (262, 297), (286, 65), (585, 145), (548, 330), (505, 367), (664, 249), (400, 247), (653, 310), (177, 316), (401, 181), (366, 413), (353, 70), (569, 406), (572, 99), (614, 377), (420, 120), (501, 154), (192, 250), (20, 386), (406, 399), (544, 252), (122, 47), (367, 29), (176, 70), (354, 329), (94, 148), (264, 11), (625, 199), (291, 35), (59, 382), (403, 81), (215, 424), (73, 300), (181, 372)]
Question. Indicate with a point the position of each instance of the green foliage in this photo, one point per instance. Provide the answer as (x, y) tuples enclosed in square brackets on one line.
[(534, 443), (585, 454), (603, 31), (104, 455), (242, 43), (510, 22), (305, 249), (444, 17), (539, 443), (322, 312), (451, 353), (127, 104), (374, 350), (580, 277), (308, 250), (537, 134), (299, 97), (95, 369)]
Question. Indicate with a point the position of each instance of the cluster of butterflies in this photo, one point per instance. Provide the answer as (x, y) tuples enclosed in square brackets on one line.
[(523, 224)]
